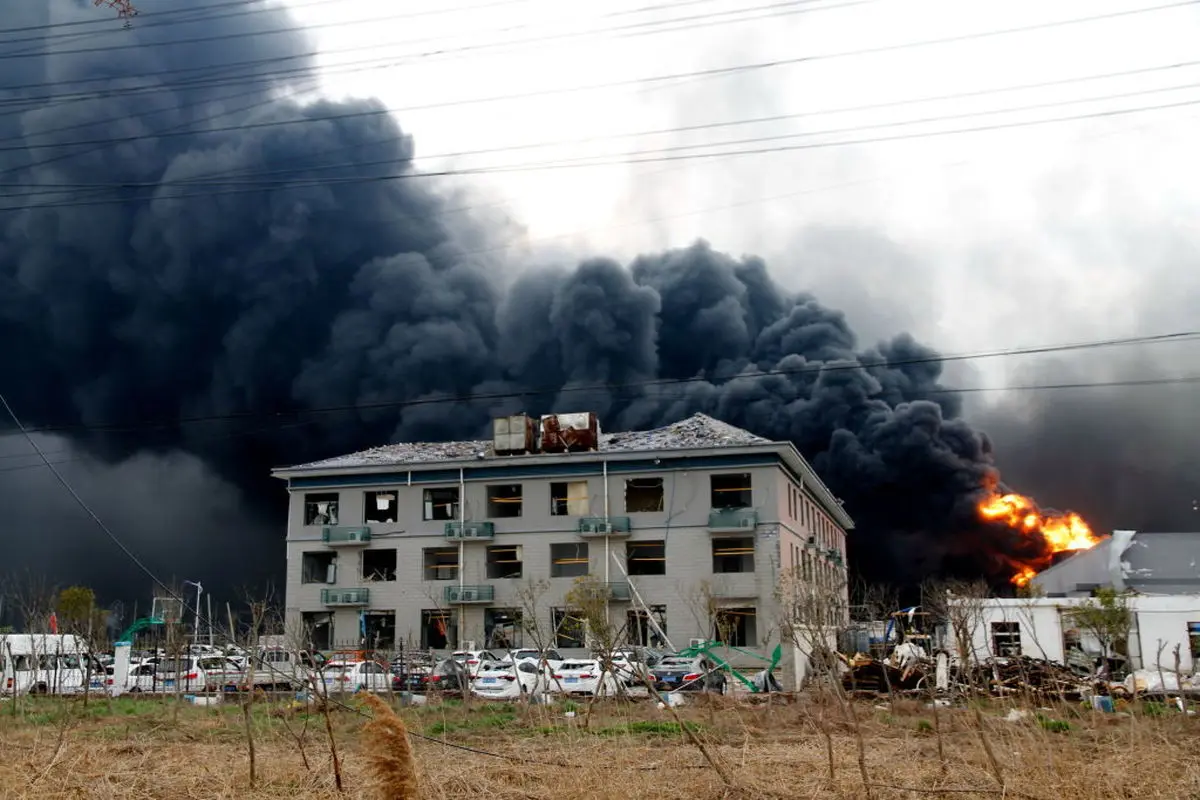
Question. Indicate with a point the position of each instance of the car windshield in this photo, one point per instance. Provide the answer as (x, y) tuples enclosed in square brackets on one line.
[(578, 665), (676, 662)]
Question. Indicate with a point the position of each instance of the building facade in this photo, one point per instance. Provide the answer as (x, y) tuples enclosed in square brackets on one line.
[(1162, 627), (693, 528)]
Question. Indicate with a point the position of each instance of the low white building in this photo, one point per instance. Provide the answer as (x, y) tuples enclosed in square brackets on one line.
[(1039, 627)]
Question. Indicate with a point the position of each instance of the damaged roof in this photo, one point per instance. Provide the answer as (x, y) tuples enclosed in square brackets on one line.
[(1145, 561), (698, 431)]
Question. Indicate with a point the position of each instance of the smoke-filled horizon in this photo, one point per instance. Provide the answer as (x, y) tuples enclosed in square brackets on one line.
[(335, 293)]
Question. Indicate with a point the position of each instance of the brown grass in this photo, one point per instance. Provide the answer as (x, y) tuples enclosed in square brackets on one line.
[(388, 753), (133, 749)]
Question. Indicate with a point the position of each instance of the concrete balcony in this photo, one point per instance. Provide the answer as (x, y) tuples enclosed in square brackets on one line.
[(345, 597), (619, 591), (470, 531), (732, 520), (469, 594), (593, 527), (346, 537), (734, 586)]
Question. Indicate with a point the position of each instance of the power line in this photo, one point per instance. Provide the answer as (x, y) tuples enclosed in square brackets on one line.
[(25, 144), (424, 40), (808, 369), (651, 156), (1037, 387), (699, 73), (247, 178)]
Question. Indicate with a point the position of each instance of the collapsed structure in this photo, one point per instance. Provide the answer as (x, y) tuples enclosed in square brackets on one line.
[(462, 545)]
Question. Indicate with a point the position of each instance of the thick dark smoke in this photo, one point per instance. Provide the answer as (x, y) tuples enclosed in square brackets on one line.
[(148, 308)]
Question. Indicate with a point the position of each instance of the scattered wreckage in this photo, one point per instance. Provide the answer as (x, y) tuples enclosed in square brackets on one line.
[(910, 670)]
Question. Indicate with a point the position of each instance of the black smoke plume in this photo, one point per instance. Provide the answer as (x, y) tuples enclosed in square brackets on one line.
[(129, 298)]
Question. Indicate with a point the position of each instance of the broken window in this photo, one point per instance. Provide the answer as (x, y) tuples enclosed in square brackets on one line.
[(569, 629), (379, 565), (380, 507), (441, 563), (318, 568), (569, 560), (318, 629), (641, 632), (569, 499), (1006, 638), (504, 561), (441, 503), (731, 491), (502, 628), (439, 629), (646, 558), (643, 494), (736, 627), (504, 501), (321, 509), (733, 554), (380, 629)]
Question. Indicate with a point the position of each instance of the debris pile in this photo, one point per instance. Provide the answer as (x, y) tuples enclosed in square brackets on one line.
[(904, 673)]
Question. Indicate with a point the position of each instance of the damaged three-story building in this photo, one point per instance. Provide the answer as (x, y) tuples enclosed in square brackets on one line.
[(691, 527)]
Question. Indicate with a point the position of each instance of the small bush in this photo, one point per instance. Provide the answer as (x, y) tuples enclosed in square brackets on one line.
[(1053, 725), (924, 727)]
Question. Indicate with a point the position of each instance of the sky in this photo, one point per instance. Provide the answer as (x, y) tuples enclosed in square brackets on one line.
[(917, 184), (1013, 237)]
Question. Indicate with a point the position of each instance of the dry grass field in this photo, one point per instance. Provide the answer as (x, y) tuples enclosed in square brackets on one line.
[(153, 749)]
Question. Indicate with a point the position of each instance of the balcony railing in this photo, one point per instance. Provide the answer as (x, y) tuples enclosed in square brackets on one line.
[(470, 594), (345, 537), (345, 597), (469, 531), (600, 526), (733, 519)]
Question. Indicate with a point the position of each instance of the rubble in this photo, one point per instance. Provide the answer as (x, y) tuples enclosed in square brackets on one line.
[(697, 431), (907, 673)]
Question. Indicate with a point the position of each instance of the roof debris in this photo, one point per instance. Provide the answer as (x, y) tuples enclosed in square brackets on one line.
[(697, 431)]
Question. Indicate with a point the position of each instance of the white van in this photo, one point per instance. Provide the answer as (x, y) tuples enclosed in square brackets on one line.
[(44, 663)]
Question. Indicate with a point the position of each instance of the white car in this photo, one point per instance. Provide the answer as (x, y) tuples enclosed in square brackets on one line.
[(221, 672), (164, 676), (500, 680), (629, 668), (471, 659), (583, 677), (532, 654), (356, 676)]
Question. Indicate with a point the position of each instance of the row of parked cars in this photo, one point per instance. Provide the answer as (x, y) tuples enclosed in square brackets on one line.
[(487, 673), (517, 673)]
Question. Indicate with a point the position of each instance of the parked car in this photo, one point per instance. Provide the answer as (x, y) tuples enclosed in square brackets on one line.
[(182, 674), (688, 673), (583, 677), (550, 655), (508, 680), (448, 676), (222, 673), (633, 665), (471, 659), (355, 676)]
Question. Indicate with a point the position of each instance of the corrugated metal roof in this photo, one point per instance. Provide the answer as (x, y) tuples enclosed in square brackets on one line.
[(696, 432)]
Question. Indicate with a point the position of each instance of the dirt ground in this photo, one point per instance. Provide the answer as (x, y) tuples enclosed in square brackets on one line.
[(154, 749)]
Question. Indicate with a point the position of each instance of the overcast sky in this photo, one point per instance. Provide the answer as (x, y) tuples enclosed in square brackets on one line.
[(975, 241)]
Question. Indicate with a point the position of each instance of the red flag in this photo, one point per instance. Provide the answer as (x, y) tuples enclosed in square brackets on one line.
[(53, 622)]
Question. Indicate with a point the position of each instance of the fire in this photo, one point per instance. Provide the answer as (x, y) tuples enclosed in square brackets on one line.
[(1060, 532)]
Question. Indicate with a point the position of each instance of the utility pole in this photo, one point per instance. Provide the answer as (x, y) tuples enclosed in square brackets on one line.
[(196, 626)]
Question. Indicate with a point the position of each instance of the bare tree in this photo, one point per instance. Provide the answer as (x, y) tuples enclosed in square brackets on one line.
[(811, 614), (961, 604)]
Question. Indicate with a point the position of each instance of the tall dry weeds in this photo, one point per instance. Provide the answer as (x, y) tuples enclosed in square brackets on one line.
[(388, 752)]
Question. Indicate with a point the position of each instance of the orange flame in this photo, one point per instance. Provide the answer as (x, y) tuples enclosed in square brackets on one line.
[(1060, 532)]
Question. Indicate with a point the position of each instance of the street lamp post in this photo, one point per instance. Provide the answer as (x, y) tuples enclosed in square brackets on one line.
[(196, 627)]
